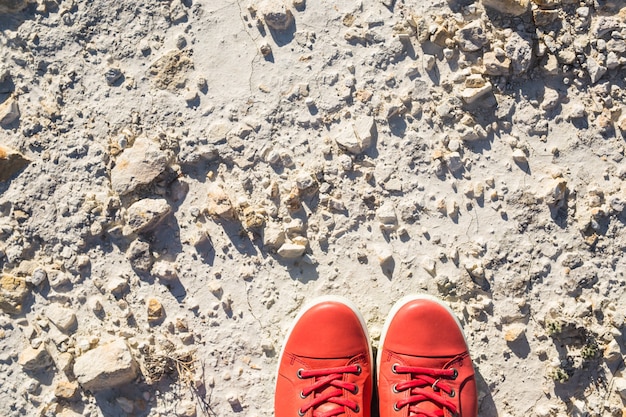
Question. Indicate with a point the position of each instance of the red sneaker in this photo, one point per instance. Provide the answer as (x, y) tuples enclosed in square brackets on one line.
[(424, 367), (325, 367)]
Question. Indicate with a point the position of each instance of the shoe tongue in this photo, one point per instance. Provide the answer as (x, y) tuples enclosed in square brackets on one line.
[(427, 407), (327, 406)]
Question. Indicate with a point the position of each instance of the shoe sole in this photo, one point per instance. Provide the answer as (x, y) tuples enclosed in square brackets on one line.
[(394, 310), (318, 301)]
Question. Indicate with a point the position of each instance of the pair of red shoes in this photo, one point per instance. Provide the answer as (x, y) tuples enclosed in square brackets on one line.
[(424, 367)]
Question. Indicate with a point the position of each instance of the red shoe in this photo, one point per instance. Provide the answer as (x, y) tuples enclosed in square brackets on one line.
[(424, 367), (325, 367)]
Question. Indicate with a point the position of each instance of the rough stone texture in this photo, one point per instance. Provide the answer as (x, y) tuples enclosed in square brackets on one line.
[(155, 310), (519, 50), (13, 293), (291, 250), (106, 366), (510, 7), (9, 112), (144, 215), (276, 14), (66, 390), (170, 71), (219, 205), (139, 255), (34, 360), (62, 317), (495, 65), (471, 37), (138, 166), (10, 163), (357, 137)]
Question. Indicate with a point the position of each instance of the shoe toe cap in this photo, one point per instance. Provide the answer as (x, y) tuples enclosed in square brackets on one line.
[(327, 330), (425, 328)]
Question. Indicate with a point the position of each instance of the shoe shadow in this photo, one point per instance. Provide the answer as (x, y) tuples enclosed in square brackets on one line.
[(486, 405)]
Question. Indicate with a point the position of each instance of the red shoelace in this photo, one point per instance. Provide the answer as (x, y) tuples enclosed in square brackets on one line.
[(424, 385), (329, 377)]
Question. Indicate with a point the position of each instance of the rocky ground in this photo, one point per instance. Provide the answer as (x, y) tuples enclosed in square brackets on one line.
[(178, 177)]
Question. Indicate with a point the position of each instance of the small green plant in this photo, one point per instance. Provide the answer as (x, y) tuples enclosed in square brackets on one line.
[(590, 350), (559, 374), (554, 327)]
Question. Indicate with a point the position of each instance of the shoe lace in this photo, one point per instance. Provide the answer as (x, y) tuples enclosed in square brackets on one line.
[(425, 385), (329, 377)]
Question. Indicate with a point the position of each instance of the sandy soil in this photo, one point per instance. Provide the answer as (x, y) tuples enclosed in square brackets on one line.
[(178, 177)]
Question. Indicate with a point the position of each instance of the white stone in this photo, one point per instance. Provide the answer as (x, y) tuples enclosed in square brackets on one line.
[(34, 359), (510, 7), (9, 112), (138, 166), (550, 99), (619, 384), (164, 270), (358, 136), (276, 15), (291, 250), (62, 317), (595, 69), (387, 214), (470, 95), (106, 366), (519, 156), (145, 214)]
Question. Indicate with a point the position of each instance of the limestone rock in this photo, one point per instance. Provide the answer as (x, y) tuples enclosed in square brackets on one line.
[(273, 236), (170, 71), (34, 360), (519, 50), (13, 292), (387, 216), (496, 65), (144, 215), (63, 318), (139, 255), (106, 366), (595, 69), (604, 25), (550, 99), (290, 250), (359, 136), (9, 112), (166, 271), (471, 95), (276, 15), (619, 385), (155, 310), (66, 390), (514, 331), (10, 162), (138, 166), (510, 7), (471, 37), (219, 204)]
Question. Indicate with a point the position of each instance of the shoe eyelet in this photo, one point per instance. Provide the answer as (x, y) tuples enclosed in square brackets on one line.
[(393, 368), (299, 374), (395, 407), (455, 374), (357, 409), (300, 413), (302, 395), (355, 390), (395, 389), (452, 393), (358, 369)]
